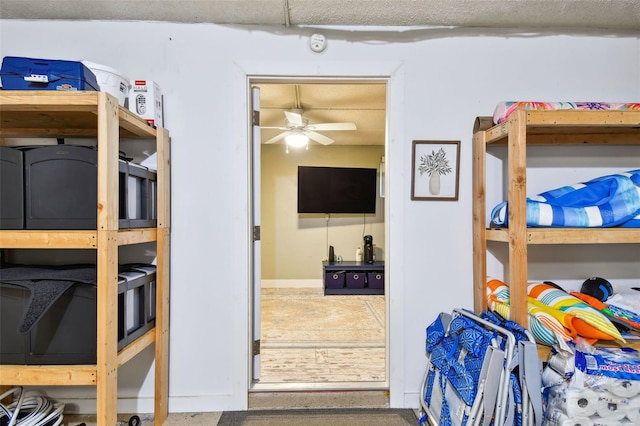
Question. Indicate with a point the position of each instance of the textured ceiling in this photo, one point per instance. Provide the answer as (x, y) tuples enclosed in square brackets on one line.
[(577, 14), (363, 105)]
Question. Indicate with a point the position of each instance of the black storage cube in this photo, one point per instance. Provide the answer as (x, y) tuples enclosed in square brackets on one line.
[(61, 187), (11, 188), (375, 279), (356, 279), (334, 279)]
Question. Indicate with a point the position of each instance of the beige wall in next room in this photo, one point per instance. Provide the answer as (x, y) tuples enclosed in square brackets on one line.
[(294, 245)]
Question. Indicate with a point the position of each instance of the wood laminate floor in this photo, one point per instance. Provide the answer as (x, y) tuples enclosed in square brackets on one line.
[(308, 337)]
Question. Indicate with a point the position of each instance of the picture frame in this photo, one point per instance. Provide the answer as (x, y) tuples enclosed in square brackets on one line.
[(435, 170)]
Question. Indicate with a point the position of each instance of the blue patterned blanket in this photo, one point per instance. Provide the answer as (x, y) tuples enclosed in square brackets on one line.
[(606, 201)]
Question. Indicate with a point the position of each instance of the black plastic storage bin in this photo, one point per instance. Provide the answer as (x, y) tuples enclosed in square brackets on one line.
[(61, 184), (11, 188), (66, 332), (136, 302), (138, 192)]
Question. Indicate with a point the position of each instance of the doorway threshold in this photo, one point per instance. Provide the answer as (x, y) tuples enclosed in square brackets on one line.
[(320, 398), (317, 386)]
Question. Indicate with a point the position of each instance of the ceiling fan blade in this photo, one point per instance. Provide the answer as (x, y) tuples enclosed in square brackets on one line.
[(277, 138), (274, 127), (319, 137), (332, 126), (294, 118)]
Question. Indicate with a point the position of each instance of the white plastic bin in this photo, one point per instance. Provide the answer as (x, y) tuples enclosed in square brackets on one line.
[(110, 80)]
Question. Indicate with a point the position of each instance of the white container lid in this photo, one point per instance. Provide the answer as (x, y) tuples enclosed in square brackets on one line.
[(110, 80)]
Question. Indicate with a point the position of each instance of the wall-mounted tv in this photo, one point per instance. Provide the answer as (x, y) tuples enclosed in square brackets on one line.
[(336, 190)]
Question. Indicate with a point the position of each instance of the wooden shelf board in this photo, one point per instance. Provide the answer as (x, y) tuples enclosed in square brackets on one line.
[(80, 239), (55, 375), (571, 235), (48, 375), (573, 127), (33, 114), (581, 120), (134, 348), (137, 235), (48, 239)]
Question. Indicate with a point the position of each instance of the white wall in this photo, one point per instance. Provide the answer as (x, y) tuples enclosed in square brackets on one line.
[(439, 81)]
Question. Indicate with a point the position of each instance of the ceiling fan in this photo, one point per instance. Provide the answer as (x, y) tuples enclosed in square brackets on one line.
[(297, 131)]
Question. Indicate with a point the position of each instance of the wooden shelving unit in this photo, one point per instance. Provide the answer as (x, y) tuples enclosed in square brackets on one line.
[(522, 129), (97, 114)]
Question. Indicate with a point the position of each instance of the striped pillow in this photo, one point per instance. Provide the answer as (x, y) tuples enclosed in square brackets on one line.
[(554, 314)]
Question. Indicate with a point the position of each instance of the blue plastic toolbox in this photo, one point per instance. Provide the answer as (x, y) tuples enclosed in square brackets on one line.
[(20, 73)]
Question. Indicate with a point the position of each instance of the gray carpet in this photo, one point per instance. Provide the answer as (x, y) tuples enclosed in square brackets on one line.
[(320, 417)]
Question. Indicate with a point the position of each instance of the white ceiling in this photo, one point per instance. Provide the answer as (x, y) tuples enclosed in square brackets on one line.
[(527, 14), (363, 105)]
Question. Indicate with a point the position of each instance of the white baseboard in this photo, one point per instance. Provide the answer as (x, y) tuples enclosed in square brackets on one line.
[(145, 405), (311, 283)]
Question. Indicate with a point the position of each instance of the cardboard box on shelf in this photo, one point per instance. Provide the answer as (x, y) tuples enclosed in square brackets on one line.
[(145, 99)]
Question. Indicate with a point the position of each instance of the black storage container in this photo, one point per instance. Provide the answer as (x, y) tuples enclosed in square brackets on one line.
[(136, 302), (66, 332), (138, 192), (61, 184), (11, 188)]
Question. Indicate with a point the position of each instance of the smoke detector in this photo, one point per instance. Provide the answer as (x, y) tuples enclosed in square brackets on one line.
[(317, 43)]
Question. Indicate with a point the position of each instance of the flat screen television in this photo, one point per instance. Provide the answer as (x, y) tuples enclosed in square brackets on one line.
[(336, 190)]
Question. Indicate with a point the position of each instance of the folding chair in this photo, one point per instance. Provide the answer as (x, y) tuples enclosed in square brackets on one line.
[(466, 380)]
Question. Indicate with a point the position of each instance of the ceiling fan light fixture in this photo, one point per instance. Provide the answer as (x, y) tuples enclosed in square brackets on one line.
[(297, 140)]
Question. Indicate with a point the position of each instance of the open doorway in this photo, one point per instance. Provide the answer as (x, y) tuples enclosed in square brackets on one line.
[(309, 340)]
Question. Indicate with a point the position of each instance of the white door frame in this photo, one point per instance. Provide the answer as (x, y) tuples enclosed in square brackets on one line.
[(256, 200), (396, 157), (305, 386)]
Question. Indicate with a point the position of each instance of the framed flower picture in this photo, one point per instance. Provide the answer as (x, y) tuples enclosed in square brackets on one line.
[(435, 170)]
